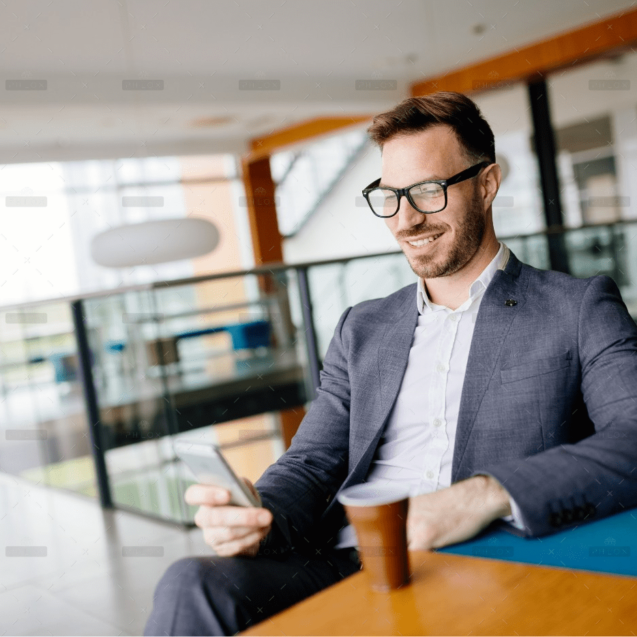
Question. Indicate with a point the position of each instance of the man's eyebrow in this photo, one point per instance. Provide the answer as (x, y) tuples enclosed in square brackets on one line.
[(381, 184)]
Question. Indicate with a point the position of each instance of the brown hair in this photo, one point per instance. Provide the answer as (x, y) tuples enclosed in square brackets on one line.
[(417, 114)]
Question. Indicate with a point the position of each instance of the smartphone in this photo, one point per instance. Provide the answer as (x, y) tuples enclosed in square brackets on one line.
[(208, 465)]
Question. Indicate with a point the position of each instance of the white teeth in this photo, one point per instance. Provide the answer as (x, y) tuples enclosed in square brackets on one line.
[(422, 242)]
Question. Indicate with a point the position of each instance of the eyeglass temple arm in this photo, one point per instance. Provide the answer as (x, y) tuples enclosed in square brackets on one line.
[(374, 184), (476, 168)]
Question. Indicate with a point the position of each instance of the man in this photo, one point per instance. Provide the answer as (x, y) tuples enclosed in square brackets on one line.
[(499, 393)]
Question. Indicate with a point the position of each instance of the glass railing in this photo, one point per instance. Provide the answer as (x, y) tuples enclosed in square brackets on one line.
[(183, 358), (610, 250), (94, 390), (41, 403)]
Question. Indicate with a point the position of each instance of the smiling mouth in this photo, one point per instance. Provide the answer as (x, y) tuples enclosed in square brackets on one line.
[(422, 242)]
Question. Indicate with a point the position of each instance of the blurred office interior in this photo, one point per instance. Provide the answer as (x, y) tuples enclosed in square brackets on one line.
[(250, 117)]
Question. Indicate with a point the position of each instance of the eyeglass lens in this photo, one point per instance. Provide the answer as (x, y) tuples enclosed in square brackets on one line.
[(427, 197)]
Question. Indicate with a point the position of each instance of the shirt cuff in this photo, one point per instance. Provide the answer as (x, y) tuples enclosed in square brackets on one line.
[(516, 517)]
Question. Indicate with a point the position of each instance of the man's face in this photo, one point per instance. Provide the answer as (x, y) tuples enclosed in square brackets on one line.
[(434, 154)]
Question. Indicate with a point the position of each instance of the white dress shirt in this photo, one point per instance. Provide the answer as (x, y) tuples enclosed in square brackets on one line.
[(416, 448)]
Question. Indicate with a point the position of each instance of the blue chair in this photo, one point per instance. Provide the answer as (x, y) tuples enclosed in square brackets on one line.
[(244, 335)]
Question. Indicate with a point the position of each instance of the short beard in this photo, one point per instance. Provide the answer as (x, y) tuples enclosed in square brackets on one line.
[(469, 238)]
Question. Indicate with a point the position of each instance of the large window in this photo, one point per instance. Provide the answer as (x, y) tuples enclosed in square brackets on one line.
[(594, 115), (52, 211), (594, 111), (517, 210)]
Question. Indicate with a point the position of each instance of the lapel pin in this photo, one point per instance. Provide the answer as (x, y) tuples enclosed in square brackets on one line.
[(510, 302)]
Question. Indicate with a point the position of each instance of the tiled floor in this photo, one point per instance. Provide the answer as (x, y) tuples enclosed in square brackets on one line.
[(80, 581)]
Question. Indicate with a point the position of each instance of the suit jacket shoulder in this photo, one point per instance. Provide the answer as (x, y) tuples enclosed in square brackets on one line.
[(385, 308)]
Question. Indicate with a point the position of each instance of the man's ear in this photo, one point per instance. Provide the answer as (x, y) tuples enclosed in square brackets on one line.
[(491, 180)]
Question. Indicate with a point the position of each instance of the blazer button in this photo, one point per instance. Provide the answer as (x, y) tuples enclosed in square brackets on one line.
[(579, 513), (568, 515), (590, 509), (555, 519)]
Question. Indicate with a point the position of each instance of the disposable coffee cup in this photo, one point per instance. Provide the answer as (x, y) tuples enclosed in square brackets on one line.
[(378, 514)]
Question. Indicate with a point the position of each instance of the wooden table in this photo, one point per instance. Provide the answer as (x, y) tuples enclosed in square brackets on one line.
[(459, 595)]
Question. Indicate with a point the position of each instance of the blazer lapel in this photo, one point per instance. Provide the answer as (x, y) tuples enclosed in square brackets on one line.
[(491, 328), (392, 356), (391, 361)]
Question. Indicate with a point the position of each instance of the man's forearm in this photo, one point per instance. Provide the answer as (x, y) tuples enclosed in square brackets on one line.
[(455, 514)]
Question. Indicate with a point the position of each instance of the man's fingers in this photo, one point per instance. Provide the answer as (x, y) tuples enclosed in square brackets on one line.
[(237, 546), (221, 534), (206, 494), (234, 516)]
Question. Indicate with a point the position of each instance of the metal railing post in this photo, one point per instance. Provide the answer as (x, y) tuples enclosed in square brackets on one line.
[(90, 402), (311, 342)]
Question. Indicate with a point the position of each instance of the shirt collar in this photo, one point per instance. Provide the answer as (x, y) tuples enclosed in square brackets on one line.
[(498, 262)]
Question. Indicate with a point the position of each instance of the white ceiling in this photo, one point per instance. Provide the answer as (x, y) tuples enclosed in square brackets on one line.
[(202, 50)]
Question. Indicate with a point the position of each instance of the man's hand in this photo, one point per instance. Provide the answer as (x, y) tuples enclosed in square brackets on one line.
[(455, 514), (229, 530)]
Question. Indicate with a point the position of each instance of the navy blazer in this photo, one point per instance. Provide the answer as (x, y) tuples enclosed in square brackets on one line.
[(548, 406)]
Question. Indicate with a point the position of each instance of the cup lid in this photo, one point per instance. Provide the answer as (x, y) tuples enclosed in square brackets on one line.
[(370, 494)]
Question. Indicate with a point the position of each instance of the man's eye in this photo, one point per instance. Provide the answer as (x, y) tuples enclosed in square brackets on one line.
[(426, 191)]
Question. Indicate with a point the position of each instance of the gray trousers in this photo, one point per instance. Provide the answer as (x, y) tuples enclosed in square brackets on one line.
[(226, 595)]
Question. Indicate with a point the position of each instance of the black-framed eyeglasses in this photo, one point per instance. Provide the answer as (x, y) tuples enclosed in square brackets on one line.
[(425, 196)]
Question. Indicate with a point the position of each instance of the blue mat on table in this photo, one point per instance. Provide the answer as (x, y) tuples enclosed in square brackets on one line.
[(606, 546)]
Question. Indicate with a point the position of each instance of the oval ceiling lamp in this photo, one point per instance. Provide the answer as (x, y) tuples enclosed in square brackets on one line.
[(153, 242)]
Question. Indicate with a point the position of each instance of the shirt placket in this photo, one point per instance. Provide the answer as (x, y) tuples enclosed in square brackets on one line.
[(437, 397)]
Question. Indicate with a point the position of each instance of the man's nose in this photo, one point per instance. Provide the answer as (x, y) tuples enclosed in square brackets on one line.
[(408, 216)]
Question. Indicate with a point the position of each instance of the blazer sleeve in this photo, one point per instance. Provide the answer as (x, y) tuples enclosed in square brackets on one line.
[(298, 487), (597, 476)]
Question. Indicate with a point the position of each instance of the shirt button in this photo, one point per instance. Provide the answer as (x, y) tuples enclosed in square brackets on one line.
[(453, 317), (430, 474), (441, 368), (437, 422)]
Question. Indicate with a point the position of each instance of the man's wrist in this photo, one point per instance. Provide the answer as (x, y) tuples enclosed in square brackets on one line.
[(497, 497)]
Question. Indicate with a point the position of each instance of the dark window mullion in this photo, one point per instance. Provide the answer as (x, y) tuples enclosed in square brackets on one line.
[(545, 151)]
